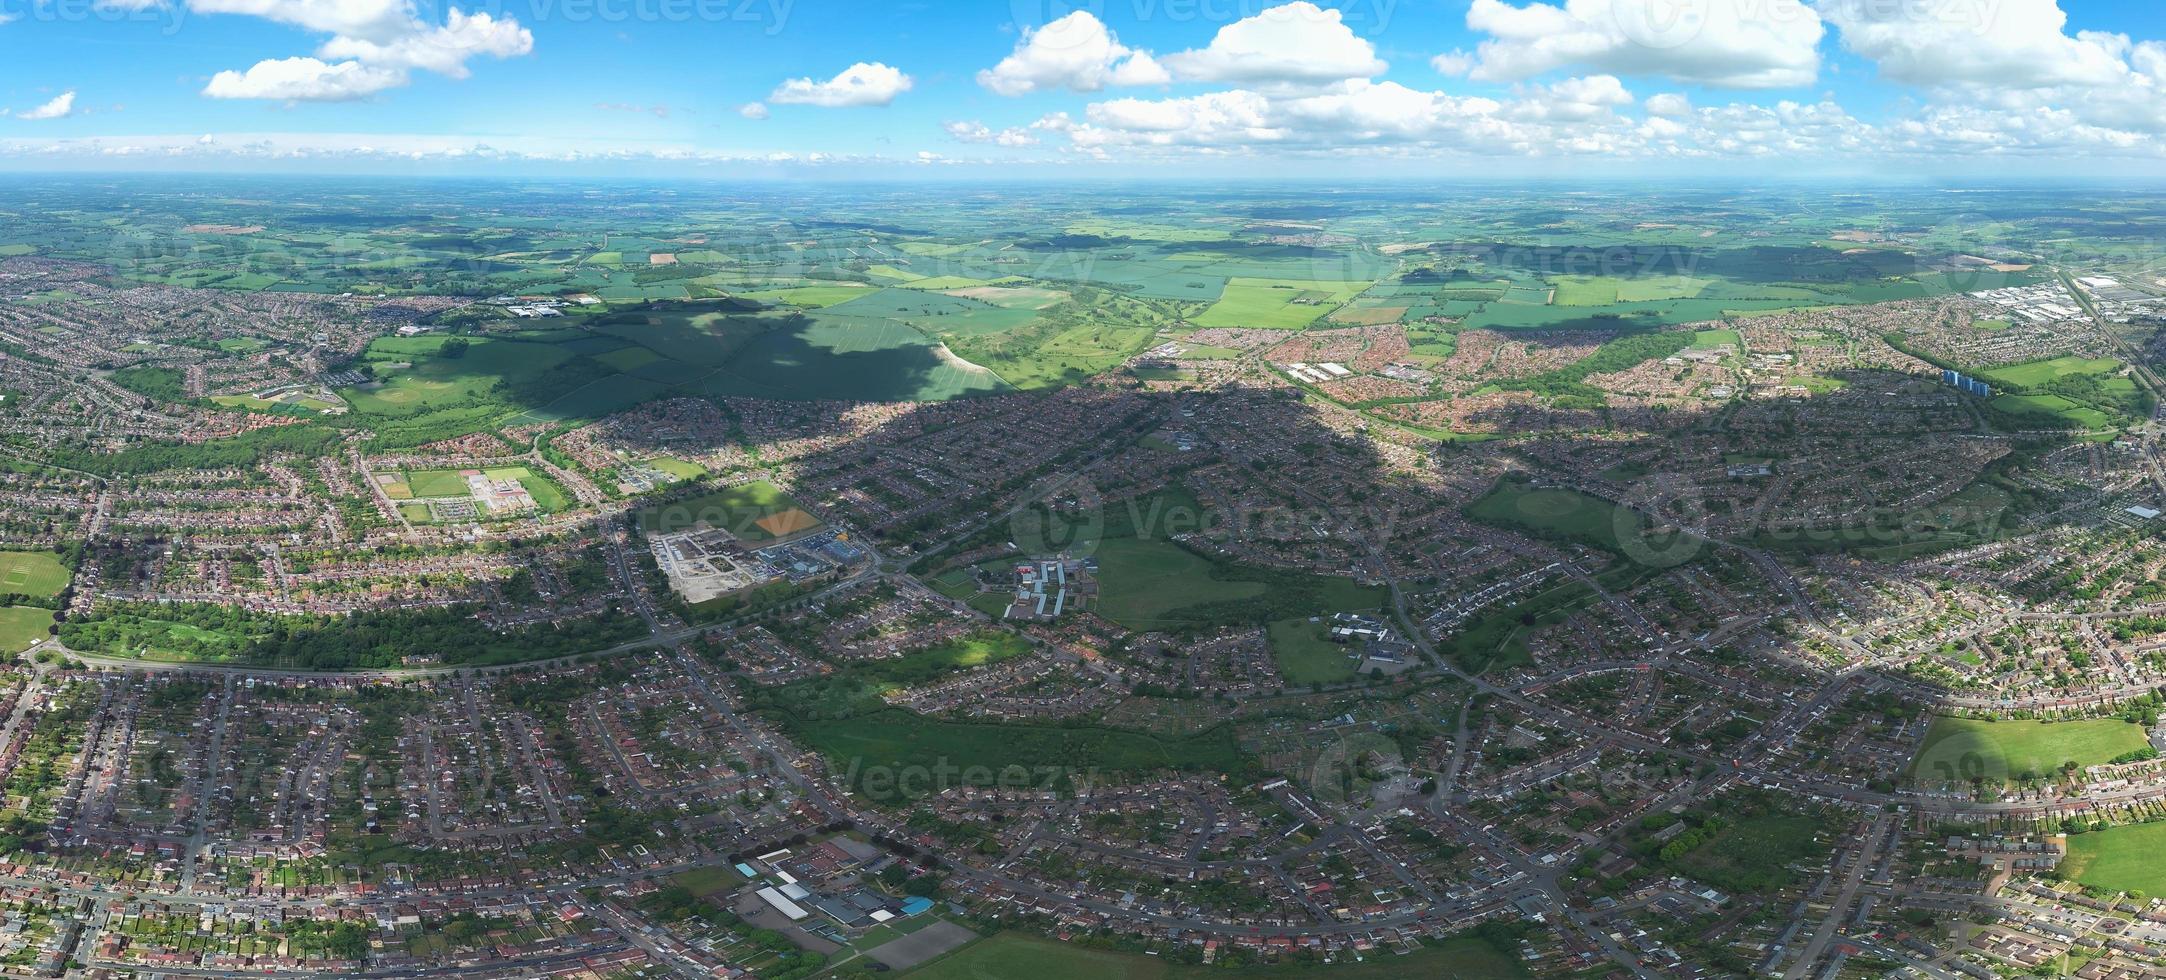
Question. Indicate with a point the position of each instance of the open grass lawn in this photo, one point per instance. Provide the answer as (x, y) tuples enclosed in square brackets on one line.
[(1306, 655), (21, 626), (1961, 749), (1716, 338), (1010, 955), (2033, 373), (1143, 584), (2120, 859), (32, 573), (434, 382), (438, 483), (1280, 304), (545, 493), (2052, 407), (1568, 512), (712, 880), (682, 469), (747, 510)]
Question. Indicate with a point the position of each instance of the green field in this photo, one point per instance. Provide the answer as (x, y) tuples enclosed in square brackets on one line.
[(711, 880), (1011, 956), (1144, 583), (1305, 653), (2052, 407), (1964, 749), (682, 469), (739, 510), (1280, 304), (32, 573), (438, 483), (21, 626), (2119, 859), (1147, 583), (2031, 374)]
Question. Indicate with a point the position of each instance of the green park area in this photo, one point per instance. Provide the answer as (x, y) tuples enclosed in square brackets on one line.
[(757, 512), (1009, 955), (21, 626), (1153, 584), (2032, 374), (2119, 859), (39, 574), (1958, 750), (1561, 514), (1305, 654)]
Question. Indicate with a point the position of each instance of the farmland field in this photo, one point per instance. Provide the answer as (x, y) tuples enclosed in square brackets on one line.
[(1963, 749), (1283, 304)]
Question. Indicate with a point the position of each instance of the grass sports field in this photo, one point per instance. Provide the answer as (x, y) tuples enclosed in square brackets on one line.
[(33, 573), (757, 512), (2033, 373), (1144, 583), (2120, 859), (1962, 749), (21, 626), (1306, 656), (1008, 955)]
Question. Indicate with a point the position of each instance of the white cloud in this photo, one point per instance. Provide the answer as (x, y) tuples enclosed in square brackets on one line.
[(753, 110), (8, 18), (1076, 52), (443, 50), (978, 132), (861, 84), (60, 107), (1668, 104), (2014, 57), (374, 45), (1733, 43), (1453, 63), (2009, 44), (303, 80), (372, 20), (1292, 44)]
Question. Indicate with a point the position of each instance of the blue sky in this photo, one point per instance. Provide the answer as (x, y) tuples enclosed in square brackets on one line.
[(1115, 86)]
